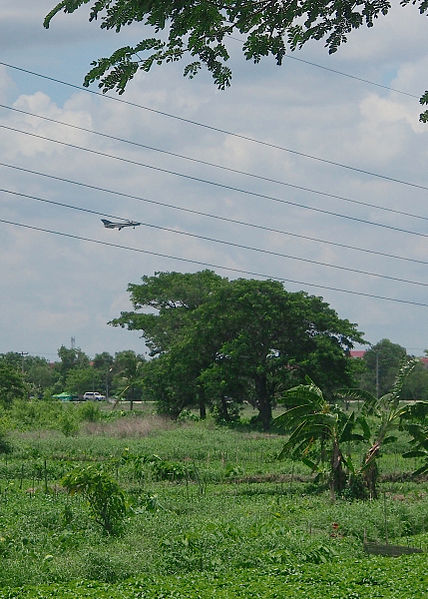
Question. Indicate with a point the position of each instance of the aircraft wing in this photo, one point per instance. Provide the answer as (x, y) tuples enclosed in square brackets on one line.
[(107, 223)]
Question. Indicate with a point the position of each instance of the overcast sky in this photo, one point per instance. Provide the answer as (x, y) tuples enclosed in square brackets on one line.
[(56, 287)]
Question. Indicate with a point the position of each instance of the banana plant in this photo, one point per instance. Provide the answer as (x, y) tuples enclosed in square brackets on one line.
[(388, 414), (416, 424), (313, 419)]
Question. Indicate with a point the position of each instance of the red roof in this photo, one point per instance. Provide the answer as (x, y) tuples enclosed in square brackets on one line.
[(357, 353)]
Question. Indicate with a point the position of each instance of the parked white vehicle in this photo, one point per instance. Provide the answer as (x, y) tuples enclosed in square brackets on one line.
[(93, 396)]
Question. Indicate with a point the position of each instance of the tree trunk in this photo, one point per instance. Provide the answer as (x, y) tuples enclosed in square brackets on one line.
[(337, 475), (263, 402), (370, 469), (202, 410), (223, 409)]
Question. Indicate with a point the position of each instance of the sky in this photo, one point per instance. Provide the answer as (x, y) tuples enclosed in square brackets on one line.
[(55, 287)]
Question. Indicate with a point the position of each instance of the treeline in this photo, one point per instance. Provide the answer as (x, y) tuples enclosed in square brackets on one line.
[(377, 369), (25, 376), (216, 344)]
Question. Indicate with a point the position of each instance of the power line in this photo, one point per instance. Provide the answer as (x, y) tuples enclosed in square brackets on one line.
[(64, 205), (336, 72), (219, 166), (217, 184), (319, 66), (221, 241), (223, 131), (213, 216), (211, 265)]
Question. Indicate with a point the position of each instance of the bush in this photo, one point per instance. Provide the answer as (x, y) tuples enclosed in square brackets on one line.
[(69, 426), (105, 497), (90, 411)]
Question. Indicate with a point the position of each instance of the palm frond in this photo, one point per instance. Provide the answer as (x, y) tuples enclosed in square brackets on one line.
[(348, 428), (406, 367), (364, 427), (304, 394)]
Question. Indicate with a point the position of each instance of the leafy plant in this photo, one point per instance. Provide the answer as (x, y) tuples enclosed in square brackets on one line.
[(68, 424), (173, 471), (90, 411), (105, 497), (5, 444), (388, 413), (312, 419), (415, 423)]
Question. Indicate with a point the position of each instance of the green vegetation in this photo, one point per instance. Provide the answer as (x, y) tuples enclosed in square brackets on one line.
[(23, 376), (320, 430), (266, 341), (182, 494), (105, 497), (210, 512)]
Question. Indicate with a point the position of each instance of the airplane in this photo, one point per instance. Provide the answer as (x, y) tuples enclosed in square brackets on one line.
[(114, 225)]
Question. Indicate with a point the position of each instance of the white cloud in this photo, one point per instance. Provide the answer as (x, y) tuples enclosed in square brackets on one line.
[(58, 287)]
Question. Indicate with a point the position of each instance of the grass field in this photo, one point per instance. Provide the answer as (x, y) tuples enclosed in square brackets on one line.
[(215, 514)]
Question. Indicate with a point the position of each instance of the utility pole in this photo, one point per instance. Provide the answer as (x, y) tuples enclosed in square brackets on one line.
[(377, 375), (23, 354), (107, 386)]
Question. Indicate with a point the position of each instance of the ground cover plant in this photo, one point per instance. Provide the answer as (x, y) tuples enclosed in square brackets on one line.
[(210, 512)]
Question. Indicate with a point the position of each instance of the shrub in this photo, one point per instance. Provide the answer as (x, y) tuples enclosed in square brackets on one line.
[(68, 424), (105, 497), (90, 411)]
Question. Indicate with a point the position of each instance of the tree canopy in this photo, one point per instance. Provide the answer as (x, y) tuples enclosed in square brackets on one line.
[(213, 340), (202, 29), (12, 384), (383, 362)]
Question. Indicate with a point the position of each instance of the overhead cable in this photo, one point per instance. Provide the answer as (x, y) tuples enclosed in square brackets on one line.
[(361, 79), (213, 216), (216, 183), (223, 131), (336, 72), (221, 241), (211, 265), (219, 166)]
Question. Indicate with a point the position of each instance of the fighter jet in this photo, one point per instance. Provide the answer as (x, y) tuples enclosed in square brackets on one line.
[(114, 225)]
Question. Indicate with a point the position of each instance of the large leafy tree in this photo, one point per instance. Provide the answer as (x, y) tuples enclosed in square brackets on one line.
[(36, 371), (39, 374), (70, 358), (201, 30), (12, 385), (165, 306), (103, 365), (268, 338), (80, 380), (241, 338), (383, 362)]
